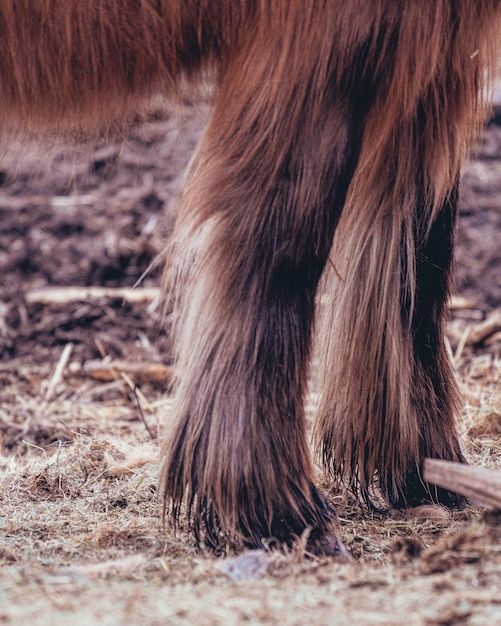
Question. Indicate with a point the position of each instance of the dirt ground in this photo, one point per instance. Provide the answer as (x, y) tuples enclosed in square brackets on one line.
[(80, 534)]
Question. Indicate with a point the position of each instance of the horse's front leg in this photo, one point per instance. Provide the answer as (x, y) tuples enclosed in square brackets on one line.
[(256, 226)]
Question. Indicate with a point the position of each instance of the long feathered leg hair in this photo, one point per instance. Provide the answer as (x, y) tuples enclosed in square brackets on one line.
[(257, 218), (388, 390), (308, 96)]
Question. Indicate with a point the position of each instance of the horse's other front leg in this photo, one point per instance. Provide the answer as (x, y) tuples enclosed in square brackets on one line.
[(389, 396)]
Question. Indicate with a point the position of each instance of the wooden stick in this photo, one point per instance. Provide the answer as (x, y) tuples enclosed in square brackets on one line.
[(483, 330), (139, 372), (63, 295), (457, 302), (478, 483)]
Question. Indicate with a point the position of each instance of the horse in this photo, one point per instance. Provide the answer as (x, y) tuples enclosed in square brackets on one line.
[(317, 214)]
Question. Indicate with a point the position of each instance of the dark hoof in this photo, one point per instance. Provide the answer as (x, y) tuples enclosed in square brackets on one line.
[(327, 545), (419, 493)]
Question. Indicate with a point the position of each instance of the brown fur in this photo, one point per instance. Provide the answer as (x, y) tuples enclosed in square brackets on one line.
[(322, 109)]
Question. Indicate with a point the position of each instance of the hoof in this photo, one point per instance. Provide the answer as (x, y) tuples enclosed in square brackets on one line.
[(418, 493), (327, 545)]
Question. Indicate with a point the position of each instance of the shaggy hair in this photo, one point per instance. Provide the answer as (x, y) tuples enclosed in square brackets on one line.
[(335, 142)]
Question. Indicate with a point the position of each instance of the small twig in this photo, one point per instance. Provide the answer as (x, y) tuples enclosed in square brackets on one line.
[(60, 445), (480, 332), (141, 414), (462, 343), (58, 373), (139, 395), (100, 348), (32, 445)]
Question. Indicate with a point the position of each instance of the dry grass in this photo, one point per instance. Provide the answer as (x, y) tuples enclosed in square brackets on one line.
[(80, 535), (81, 540)]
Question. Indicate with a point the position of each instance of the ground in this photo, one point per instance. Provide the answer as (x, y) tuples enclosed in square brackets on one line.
[(81, 539)]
